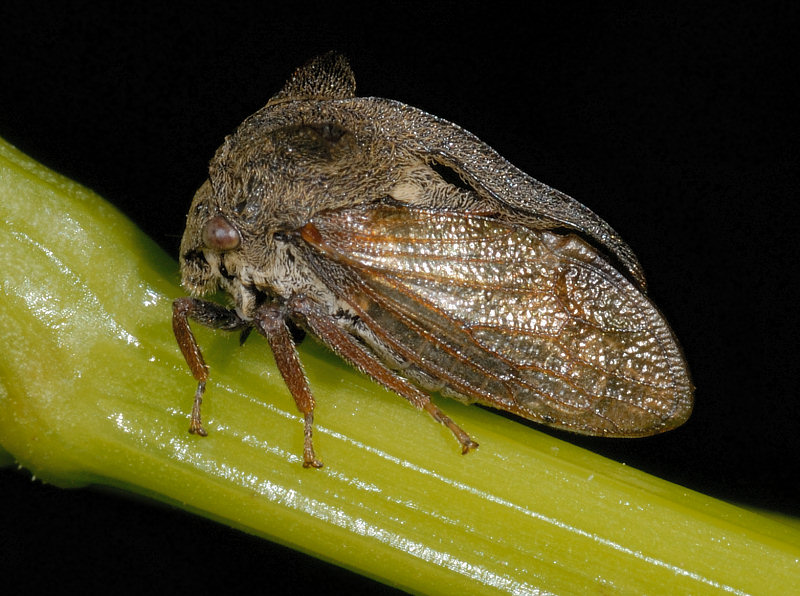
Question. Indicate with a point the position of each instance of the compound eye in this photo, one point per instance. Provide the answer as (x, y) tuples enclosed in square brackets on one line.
[(220, 235)]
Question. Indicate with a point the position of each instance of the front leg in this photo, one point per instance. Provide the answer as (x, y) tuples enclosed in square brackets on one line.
[(208, 314)]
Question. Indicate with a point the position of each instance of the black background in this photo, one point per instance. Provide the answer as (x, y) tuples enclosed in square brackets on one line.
[(677, 126)]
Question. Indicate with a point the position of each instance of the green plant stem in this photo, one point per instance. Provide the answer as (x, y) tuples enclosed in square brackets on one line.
[(93, 389)]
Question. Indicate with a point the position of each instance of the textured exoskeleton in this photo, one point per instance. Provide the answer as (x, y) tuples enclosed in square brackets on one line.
[(427, 261)]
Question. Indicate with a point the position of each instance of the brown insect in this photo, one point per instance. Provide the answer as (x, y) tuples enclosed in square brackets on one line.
[(427, 261)]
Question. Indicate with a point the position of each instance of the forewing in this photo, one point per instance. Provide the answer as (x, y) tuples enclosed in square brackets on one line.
[(530, 321)]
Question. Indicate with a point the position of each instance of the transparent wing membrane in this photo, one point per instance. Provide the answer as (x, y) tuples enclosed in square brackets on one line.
[(529, 321)]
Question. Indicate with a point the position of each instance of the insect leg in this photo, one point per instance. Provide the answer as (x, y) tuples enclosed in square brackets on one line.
[(344, 345), (210, 315), (271, 323)]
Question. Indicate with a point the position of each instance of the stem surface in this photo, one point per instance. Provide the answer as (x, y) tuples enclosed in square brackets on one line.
[(93, 390)]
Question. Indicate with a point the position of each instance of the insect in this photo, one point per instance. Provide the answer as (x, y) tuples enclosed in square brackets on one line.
[(428, 262)]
